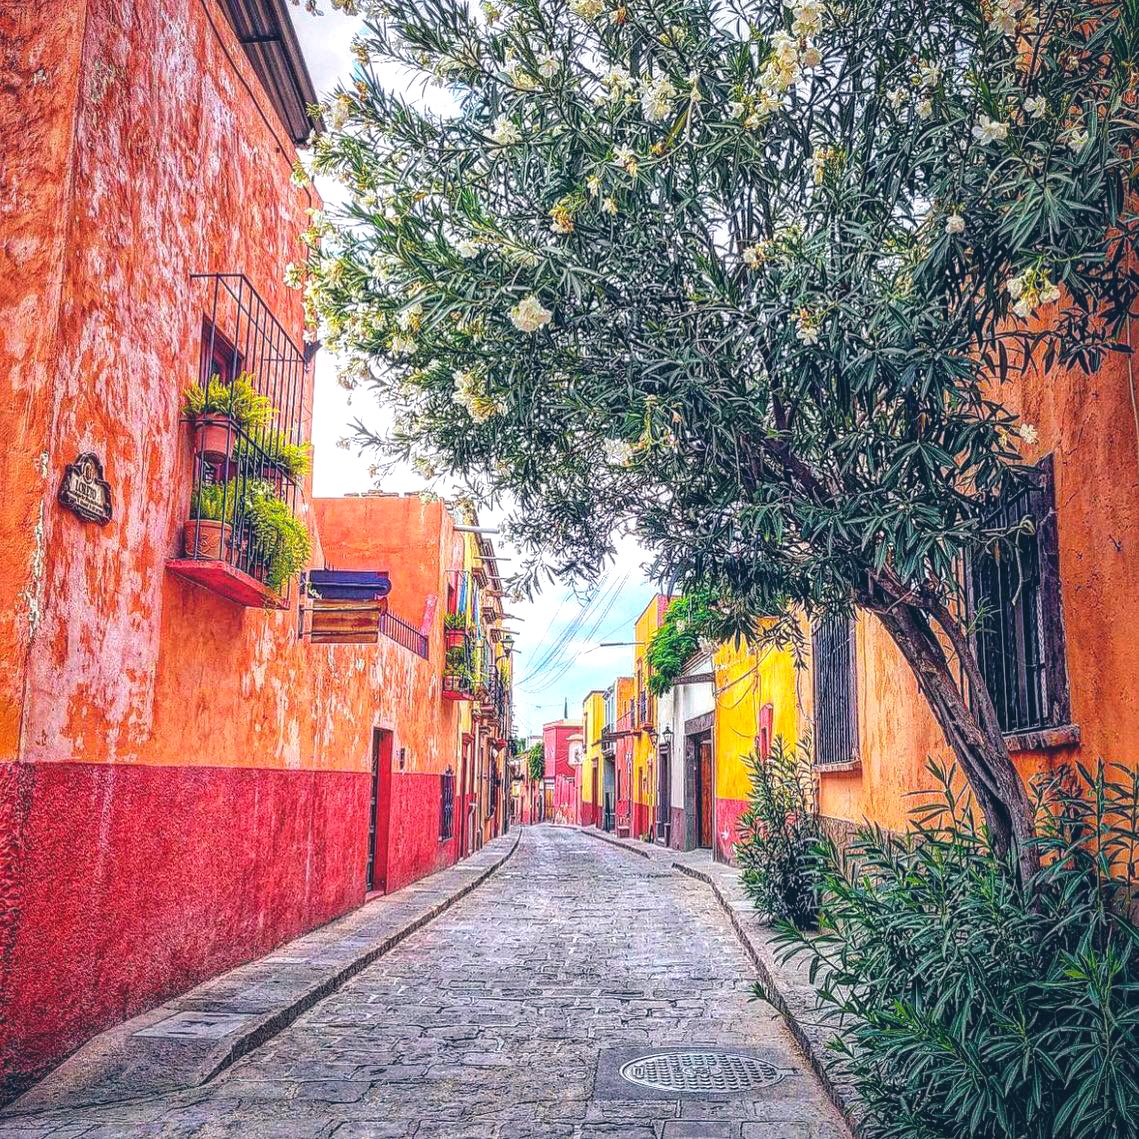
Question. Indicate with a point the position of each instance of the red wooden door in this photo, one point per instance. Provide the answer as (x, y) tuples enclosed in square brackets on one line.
[(706, 792)]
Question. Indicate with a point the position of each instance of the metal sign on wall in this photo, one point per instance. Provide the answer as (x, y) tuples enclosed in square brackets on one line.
[(84, 491)]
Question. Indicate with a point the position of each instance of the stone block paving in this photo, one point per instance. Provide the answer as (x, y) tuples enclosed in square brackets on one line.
[(490, 1022)]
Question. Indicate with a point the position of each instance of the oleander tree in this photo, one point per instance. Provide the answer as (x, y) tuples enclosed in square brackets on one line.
[(742, 279)]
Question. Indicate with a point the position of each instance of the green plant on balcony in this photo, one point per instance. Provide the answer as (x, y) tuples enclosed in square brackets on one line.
[(273, 449), (239, 401), (208, 531), (281, 540), (222, 411), (215, 502), (456, 621)]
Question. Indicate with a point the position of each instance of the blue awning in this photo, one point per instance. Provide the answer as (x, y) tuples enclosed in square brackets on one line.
[(349, 585)]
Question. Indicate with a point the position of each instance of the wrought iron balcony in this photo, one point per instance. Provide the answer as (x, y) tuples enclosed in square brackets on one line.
[(242, 536)]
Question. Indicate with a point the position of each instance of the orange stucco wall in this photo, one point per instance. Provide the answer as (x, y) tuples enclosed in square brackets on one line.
[(1086, 422), (183, 782)]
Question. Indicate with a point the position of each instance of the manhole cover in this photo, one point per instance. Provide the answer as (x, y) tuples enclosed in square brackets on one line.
[(700, 1071)]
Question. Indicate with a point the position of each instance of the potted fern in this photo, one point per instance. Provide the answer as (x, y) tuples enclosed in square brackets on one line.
[(280, 541), (274, 458), (219, 410), (208, 532)]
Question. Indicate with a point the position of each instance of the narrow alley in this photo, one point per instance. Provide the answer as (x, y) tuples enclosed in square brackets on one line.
[(512, 1015)]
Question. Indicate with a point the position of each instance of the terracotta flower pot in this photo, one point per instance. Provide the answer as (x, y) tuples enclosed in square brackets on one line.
[(206, 538), (454, 638), (215, 435)]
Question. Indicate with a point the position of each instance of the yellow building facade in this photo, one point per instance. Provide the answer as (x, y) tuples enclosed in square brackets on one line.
[(592, 725), (645, 760), (757, 699)]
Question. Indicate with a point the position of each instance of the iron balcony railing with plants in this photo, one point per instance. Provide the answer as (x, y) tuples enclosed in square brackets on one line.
[(242, 535)]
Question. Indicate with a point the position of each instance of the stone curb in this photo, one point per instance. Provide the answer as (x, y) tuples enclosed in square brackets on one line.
[(779, 987), (104, 1070)]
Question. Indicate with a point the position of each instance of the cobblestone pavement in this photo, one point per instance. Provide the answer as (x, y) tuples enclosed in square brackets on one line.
[(498, 1019)]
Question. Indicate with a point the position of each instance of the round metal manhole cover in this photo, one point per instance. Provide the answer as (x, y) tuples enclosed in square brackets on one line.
[(700, 1071)]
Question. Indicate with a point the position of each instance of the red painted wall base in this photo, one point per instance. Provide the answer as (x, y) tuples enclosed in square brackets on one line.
[(123, 885), (728, 813), (414, 846)]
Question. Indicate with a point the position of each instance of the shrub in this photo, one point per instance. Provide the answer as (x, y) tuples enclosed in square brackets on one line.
[(778, 836), (973, 1004), (537, 763), (686, 622)]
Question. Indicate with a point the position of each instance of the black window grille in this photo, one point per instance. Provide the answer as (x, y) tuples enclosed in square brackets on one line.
[(447, 805), (239, 462), (836, 716), (1013, 601)]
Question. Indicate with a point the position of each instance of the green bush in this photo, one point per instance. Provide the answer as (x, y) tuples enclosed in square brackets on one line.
[(537, 763), (686, 621), (778, 837), (972, 1004), (294, 460)]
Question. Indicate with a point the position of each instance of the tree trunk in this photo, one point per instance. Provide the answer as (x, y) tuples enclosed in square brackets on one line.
[(973, 733)]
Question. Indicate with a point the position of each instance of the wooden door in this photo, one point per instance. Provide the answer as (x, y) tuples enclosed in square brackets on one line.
[(379, 811), (706, 792)]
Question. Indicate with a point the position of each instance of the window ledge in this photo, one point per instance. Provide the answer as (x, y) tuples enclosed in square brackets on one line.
[(1046, 739), (828, 768)]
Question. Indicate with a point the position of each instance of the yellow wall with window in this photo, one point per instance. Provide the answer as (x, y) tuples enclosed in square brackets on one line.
[(747, 680), (592, 722)]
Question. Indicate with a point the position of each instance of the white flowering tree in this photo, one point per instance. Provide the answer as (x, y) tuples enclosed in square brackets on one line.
[(742, 278)]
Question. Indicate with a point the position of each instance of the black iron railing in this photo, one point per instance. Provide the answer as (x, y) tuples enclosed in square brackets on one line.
[(447, 805), (1013, 606), (403, 634), (247, 453), (836, 723)]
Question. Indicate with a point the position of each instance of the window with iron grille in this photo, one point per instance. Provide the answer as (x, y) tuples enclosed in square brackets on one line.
[(836, 718), (447, 805), (1013, 601)]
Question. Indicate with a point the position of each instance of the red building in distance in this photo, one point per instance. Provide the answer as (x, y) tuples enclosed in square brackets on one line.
[(562, 792)]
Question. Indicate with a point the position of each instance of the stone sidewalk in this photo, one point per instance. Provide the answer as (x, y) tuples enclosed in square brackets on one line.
[(576, 995), (786, 985), (193, 1037)]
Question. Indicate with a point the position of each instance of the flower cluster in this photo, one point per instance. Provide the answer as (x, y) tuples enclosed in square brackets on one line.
[(987, 130), (528, 315), (1031, 289), (470, 393), (806, 326), (561, 216), (505, 133), (656, 98), (1010, 17)]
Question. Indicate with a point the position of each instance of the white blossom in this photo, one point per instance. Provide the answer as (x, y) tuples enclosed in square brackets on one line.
[(990, 130), (1028, 433), (466, 248), (505, 133), (548, 65), (1036, 106), (618, 452), (528, 315), (656, 99), (954, 224)]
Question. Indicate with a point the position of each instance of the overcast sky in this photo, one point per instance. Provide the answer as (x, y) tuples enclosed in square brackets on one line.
[(558, 655)]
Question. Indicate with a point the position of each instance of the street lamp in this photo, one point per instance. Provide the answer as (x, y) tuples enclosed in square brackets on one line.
[(666, 738)]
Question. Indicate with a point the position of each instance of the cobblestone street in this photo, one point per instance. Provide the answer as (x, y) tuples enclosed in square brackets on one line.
[(496, 1019)]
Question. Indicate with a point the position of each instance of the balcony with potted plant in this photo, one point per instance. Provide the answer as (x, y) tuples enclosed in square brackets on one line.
[(243, 537)]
